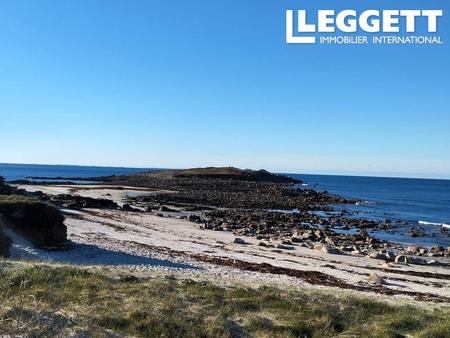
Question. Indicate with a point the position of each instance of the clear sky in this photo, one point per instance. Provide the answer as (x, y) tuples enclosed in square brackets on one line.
[(157, 83)]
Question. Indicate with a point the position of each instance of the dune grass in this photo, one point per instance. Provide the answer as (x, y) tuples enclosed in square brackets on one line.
[(42, 301)]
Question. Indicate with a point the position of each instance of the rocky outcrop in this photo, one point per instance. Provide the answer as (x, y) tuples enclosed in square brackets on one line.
[(5, 241), (5, 189), (227, 173), (40, 222), (79, 202), (261, 190)]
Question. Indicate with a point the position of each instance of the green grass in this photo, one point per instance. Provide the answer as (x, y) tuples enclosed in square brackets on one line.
[(41, 301), (40, 222)]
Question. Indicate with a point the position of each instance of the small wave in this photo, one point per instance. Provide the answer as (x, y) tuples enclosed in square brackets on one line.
[(429, 223), (438, 224)]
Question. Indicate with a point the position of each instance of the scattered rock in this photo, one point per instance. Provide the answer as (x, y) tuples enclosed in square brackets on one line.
[(375, 279), (238, 240), (295, 239), (327, 249), (378, 255), (194, 218), (401, 259), (388, 265), (437, 249), (417, 261), (412, 249), (127, 207), (284, 247)]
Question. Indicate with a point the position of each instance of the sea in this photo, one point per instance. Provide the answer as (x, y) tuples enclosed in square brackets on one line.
[(421, 203)]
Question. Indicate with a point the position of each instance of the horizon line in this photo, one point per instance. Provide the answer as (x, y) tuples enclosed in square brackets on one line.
[(273, 171)]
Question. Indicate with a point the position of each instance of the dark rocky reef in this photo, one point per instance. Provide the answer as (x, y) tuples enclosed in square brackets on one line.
[(227, 187), (228, 173), (80, 202)]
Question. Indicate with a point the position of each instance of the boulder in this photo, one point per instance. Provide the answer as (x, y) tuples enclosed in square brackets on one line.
[(329, 241), (296, 239), (308, 235), (194, 218), (423, 251), (437, 249), (417, 260), (378, 255), (284, 247), (319, 234), (41, 223), (238, 240), (127, 207), (326, 249), (376, 279), (401, 259), (412, 249)]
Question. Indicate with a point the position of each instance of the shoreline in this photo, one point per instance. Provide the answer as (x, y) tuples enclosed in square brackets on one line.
[(168, 235)]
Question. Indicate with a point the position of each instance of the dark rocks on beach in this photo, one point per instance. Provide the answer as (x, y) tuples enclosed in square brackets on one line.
[(401, 259), (238, 240), (194, 218), (79, 202), (265, 191), (437, 249), (6, 189), (127, 207), (378, 255)]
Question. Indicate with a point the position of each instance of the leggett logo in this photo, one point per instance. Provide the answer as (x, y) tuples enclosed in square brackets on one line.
[(333, 28)]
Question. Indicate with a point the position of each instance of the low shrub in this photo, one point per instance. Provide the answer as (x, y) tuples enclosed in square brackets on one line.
[(41, 223)]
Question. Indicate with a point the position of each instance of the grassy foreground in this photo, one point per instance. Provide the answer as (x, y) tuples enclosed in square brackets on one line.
[(43, 301)]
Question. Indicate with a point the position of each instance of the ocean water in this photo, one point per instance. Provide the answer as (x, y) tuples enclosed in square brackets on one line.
[(425, 203), (26, 171)]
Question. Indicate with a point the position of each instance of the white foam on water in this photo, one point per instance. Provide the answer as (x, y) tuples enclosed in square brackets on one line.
[(447, 226), (429, 223)]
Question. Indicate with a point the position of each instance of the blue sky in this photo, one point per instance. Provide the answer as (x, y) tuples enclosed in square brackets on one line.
[(193, 83)]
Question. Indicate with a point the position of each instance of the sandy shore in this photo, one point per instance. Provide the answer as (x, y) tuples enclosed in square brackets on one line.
[(145, 242)]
